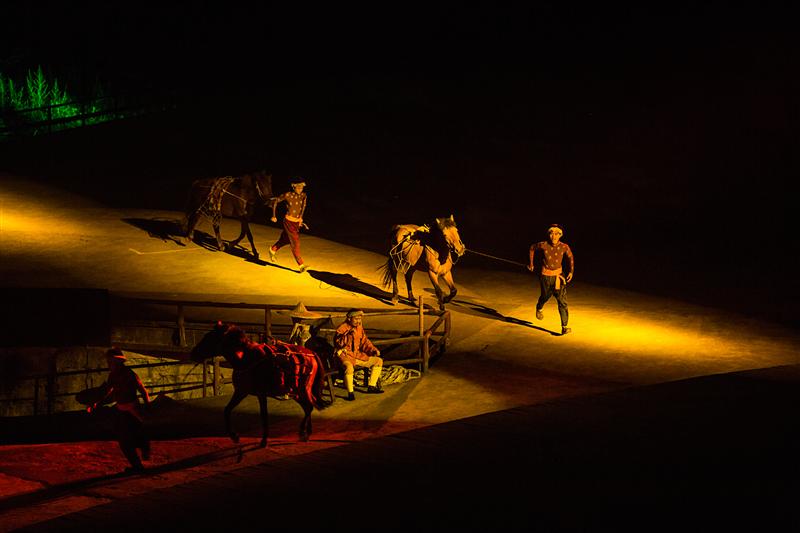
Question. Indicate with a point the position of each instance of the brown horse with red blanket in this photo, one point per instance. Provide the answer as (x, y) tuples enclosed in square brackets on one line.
[(269, 369)]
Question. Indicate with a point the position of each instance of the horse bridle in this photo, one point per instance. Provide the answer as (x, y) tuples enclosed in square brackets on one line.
[(260, 194)]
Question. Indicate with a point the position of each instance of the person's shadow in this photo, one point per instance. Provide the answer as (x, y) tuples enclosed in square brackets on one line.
[(482, 310)]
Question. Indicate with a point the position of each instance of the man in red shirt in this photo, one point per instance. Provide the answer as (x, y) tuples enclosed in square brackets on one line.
[(296, 201), (121, 387), (546, 259), (353, 348)]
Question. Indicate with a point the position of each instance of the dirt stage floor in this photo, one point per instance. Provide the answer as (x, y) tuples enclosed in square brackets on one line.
[(651, 385)]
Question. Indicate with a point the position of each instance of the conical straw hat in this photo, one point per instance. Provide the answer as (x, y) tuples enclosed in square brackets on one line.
[(300, 311)]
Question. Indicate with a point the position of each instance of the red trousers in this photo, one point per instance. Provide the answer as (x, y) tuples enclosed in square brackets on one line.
[(290, 235)]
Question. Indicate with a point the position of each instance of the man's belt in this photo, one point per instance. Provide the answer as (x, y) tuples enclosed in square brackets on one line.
[(557, 273), (292, 219)]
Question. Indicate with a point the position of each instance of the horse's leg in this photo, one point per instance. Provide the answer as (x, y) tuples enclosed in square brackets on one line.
[(409, 275), (262, 404), (305, 425), (219, 237), (246, 227), (235, 400), (393, 273), (234, 242), (434, 277), (191, 223), (448, 279)]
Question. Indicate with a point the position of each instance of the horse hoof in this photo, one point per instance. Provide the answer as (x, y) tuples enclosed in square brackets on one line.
[(395, 299), (263, 443), (303, 438), (235, 438)]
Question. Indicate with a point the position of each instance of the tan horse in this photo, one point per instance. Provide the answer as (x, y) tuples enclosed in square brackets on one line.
[(430, 249)]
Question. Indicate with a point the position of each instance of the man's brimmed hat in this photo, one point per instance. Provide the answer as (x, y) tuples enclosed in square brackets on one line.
[(300, 311), (116, 353), (297, 180), (354, 313), (555, 227)]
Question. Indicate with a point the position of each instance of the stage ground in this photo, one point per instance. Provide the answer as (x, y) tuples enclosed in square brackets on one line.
[(651, 403)]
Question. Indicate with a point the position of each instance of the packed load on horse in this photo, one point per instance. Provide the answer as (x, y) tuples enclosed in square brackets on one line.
[(427, 248), (273, 368), (235, 197)]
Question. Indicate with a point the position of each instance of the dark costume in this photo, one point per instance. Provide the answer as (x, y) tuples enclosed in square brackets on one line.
[(548, 260), (121, 387)]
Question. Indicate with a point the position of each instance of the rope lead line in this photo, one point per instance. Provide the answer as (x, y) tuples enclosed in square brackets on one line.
[(497, 258)]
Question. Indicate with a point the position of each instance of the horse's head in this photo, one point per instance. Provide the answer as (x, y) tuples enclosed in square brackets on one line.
[(224, 340), (448, 228), (209, 345), (262, 183)]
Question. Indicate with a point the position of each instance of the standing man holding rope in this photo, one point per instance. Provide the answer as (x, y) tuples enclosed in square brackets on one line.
[(296, 201), (546, 259)]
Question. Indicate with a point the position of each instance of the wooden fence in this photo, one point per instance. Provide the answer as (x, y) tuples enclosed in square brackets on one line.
[(431, 341)]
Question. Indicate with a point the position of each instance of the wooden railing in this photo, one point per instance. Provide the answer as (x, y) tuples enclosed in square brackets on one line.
[(431, 341), (439, 332)]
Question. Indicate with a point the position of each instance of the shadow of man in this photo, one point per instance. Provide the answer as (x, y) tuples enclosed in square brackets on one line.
[(476, 309)]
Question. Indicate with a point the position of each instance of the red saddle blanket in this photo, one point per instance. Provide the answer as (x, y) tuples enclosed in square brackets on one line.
[(296, 368)]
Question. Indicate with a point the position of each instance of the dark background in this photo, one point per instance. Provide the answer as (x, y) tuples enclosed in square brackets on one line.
[(662, 136)]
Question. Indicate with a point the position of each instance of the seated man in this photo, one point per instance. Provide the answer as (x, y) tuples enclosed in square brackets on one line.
[(353, 348)]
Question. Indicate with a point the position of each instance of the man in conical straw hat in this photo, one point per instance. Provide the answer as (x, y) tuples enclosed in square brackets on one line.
[(300, 329)]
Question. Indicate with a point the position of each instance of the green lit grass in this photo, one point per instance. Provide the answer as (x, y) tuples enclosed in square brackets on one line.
[(39, 105)]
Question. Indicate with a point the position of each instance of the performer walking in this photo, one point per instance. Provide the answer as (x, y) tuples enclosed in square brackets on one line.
[(296, 201), (121, 386), (546, 259)]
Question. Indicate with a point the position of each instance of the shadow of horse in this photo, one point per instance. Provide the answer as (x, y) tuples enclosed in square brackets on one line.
[(160, 228), (350, 283)]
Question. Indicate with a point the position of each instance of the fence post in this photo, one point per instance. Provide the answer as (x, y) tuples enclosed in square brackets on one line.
[(217, 381), (205, 376), (446, 340), (422, 343), (36, 396), (51, 384), (181, 326), (426, 354), (267, 322)]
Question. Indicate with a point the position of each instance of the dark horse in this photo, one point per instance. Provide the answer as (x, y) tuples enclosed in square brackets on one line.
[(270, 369), (429, 249), (230, 197)]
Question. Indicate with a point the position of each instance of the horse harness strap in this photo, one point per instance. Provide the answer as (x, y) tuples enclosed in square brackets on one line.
[(401, 264), (211, 208)]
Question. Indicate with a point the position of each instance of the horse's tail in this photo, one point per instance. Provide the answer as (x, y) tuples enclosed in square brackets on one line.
[(388, 271), (316, 387), (192, 204)]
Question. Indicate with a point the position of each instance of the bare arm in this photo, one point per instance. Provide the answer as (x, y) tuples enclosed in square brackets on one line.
[(571, 264), (531, 254), (278, 200), (143, 390)]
